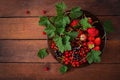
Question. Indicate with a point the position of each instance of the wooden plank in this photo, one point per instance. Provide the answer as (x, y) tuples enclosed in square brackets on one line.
[(19, 8), (23, 71), (27, 28), (23, 51), (26, 51)]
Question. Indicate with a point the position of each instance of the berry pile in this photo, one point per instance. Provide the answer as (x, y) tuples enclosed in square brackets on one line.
[(86, 41)]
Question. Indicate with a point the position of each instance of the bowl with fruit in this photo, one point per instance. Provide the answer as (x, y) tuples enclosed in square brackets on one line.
[(75, 37)]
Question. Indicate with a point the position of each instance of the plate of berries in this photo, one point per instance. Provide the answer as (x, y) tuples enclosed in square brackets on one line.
[(76, 37)]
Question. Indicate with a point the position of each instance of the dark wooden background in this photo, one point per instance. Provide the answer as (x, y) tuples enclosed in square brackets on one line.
[(21, 38)]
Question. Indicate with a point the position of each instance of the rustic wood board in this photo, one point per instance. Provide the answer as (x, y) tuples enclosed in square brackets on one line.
[(23, 71), (19, 7), (21, 38)]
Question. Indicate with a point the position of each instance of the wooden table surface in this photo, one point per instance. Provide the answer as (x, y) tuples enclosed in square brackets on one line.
[(21, 38)]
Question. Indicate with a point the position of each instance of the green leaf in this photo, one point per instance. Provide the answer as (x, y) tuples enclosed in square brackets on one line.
[(108, 26), (42, 53), (72, 34), (62, 21), (75, 12), (62, 43), (60, 30), (58, 41), (93, 56), (63, 69), (66, 43), (44, 21), (50, 31), (60, 7), (84, 22), (52, 19)]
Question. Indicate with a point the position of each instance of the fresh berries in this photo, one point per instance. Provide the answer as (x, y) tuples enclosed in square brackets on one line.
[(93, 31), (83, 37), (46, 69), (97, 41), (91, 38), (74, 23), (90, 20), (44, 33), (96, 48), (27, 12), (44, 11), (90, 45)]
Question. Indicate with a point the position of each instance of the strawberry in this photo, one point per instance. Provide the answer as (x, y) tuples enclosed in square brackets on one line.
[(83, 37), (96, 48), (90, 20), (90, 45), (74, 23), (91, 38), (44, 33), (97, 41), (93, 31)]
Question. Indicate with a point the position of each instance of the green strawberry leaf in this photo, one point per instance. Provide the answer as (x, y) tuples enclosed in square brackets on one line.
[(63, 69), (62, 21), (93, 56), (60, 7), (66, 43), (60, 30), (72, 34), (84, 22), (62, 43), (50, 31), (42, 53), (58, 41), (44, 21), (75, 12), (108, 26)]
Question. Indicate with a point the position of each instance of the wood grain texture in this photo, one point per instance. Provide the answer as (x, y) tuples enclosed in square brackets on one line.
[(28, 28), (26, 51), (23, 71), (19, 7), (23, 51)]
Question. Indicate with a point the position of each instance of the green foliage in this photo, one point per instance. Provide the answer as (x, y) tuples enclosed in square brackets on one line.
[(50, 31), (108, 26), (62, 43), (42, 53), (60, 8), (44, 21), (84, 22), (62, 21), (63, 69), (72, 34), (75, 12), (93, 56)]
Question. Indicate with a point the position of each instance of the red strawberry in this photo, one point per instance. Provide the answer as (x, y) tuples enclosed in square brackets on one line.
[(96, 48), (90, 20), (74, 23), (91, 38), (44, 33), (93, 31), (97, 41), (90, 45), (83, 37)]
